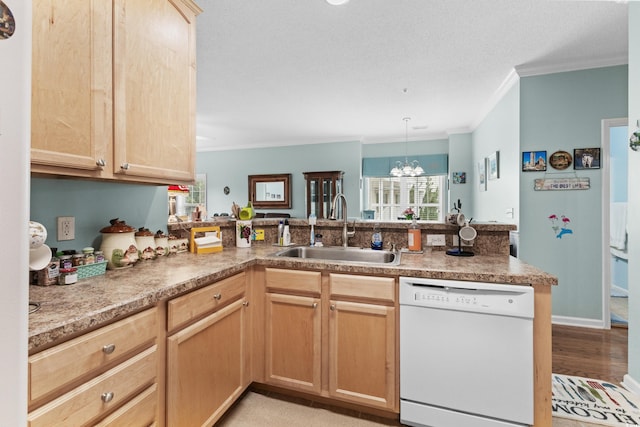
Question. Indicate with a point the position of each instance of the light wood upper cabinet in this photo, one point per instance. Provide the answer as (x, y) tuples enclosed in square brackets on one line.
[(113, 89)]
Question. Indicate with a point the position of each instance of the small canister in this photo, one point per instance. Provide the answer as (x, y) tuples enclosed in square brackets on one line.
[(77, 259), (89, 257), (99, 256), (65, 261), (68, 276)]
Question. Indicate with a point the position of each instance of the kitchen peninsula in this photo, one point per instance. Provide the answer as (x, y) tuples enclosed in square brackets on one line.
[(177, 297)]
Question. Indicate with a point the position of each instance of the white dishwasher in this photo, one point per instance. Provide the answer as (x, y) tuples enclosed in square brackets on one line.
[(466, 353)]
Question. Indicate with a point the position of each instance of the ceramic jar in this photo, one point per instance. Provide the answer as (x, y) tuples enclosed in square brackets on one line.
[(119, 245), (162, 243), (146, 244)]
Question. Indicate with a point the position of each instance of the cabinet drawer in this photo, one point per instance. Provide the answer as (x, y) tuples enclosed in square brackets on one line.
[(99, 395), (362, 287), (60, 365), (194, 305), (139, 411), (292, 280)]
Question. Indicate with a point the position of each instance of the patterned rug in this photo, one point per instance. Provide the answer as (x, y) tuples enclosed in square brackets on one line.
[(594, 401)]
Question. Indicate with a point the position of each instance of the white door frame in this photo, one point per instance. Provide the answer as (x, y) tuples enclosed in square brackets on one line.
[(605, 153)]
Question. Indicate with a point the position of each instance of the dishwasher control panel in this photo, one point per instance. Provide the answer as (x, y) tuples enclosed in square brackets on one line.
[(496, 298)]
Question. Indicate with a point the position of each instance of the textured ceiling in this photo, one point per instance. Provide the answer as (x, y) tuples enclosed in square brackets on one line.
[(285, 72)]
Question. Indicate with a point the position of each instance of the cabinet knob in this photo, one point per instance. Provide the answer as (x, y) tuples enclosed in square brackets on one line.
[(109, 348), (124, 166), (217, 296), (101, 162), (314, 305), (332, 307), (107, 397), (245, 303)]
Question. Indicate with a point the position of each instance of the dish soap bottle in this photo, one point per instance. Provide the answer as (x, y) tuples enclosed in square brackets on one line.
[(376, 238), (414, 237), (286, 234), (280, 233)]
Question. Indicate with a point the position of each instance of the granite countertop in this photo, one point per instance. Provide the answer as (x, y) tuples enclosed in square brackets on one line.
[(66, 311)]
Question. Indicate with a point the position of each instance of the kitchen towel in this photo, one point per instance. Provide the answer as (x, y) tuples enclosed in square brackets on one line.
[(594, 401), (618, 226)]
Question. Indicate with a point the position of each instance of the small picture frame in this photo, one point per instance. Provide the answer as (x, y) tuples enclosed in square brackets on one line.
[(586, 158), (493, 165), (534, 161), (482, 175), (459, 177)]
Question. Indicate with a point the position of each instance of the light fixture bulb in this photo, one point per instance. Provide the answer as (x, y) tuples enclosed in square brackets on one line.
[(337, 2)]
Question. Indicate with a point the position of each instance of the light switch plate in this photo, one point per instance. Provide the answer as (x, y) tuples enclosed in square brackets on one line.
[(66, 228)]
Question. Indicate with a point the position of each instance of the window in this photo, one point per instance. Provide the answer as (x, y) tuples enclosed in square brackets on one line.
[(197, 195), (388, 197)]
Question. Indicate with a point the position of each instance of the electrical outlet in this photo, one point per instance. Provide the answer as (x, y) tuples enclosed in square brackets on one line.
[(66, 228), (464, 242), (436, 240)]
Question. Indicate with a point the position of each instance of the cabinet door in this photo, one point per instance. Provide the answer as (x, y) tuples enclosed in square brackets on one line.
[(154, 89), (71, 109), (206, 367), (362, 353), (293, 341)]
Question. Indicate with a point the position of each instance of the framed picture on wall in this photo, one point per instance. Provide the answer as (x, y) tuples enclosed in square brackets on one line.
[(493, 165), (482, 175), (534, 161), (586, 158), (459, 177)]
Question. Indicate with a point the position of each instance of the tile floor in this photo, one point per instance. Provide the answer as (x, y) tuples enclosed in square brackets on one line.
[(265, 410)]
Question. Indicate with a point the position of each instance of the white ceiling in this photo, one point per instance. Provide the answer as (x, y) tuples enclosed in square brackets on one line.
[(289, 72)]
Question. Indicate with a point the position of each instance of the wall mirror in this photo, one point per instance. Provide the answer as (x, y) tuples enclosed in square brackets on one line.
[(270, 191)]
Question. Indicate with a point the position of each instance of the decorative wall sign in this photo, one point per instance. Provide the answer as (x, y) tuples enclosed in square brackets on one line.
[(534, 161), (560, 160), (547, 184), (493, 165), (586, 158), (459, 177), (7, 22)]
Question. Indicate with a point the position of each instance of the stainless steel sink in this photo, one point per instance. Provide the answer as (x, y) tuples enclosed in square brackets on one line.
[(335, 253)]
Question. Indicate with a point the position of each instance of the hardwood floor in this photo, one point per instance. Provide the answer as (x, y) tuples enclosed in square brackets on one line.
[(593, 353)]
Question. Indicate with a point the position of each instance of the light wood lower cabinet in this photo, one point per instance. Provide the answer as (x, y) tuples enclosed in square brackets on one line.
[(207, 361), (81, 381), (355, 359)]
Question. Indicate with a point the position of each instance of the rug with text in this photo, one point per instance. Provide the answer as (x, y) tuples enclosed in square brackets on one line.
[(594, 401)]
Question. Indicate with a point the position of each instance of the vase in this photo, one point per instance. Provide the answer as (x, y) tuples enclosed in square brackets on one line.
[(243, 234)]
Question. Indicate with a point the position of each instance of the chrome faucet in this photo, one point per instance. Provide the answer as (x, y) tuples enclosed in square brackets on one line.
[(345, 233)]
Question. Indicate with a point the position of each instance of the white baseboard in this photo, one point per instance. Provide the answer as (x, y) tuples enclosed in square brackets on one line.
[(578, 321), (630, 384)]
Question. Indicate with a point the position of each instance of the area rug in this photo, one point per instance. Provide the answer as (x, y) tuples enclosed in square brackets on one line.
[(594, 401)]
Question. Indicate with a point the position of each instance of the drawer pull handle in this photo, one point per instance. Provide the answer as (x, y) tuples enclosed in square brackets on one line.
[(245, 303), (217, 296), (314, 305), (107, 397), (101, 162), (124, 166), (108, 349)]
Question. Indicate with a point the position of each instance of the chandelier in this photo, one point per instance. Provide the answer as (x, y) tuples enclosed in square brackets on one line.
[(412, 168)]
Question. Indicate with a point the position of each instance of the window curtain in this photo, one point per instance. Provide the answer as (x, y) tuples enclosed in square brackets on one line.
[(433, 164)]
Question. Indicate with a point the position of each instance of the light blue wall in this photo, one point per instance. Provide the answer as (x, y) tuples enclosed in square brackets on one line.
[(461, 160), (93, 204), (563, 111), (618, 166), (499, 131), (634, 198), (231, 168), (401, 148)]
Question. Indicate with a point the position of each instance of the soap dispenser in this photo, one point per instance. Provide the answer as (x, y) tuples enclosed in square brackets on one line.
[(376, 238), (414, 237)]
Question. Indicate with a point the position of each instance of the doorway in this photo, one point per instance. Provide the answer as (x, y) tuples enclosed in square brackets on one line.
[(615, 261)]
